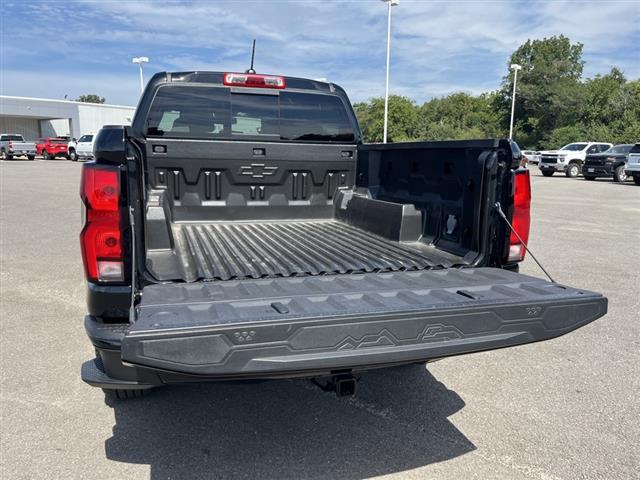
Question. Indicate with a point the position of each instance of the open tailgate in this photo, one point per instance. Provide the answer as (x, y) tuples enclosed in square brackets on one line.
[(318, 324)]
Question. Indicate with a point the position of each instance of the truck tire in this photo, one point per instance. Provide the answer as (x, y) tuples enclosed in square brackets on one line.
[(636, 179), (31, 157), (124, 394), (3, 154), (589, 177), (573, 170), (73, 155), (547, 173), (45, 155), (619, 174)]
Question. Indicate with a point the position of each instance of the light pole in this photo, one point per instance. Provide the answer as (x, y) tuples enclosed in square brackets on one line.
[(140, 61), (390, 3), (515, 67)]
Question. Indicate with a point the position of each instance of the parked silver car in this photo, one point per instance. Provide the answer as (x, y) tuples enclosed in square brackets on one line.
[(532, 156)]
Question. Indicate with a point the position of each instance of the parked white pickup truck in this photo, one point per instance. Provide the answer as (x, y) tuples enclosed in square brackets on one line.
[(13, 145), (570, 158), (82, 149)]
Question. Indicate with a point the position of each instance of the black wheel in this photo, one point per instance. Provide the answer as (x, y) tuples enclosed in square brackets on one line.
[(124, 394), (73, 156), (619, 174), (45, 155), (573, 170), (636, 179), (547, 173), (3, 154), (31, 157)]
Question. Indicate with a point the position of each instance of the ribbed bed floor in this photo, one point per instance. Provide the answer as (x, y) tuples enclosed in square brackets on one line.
[(254, 250)]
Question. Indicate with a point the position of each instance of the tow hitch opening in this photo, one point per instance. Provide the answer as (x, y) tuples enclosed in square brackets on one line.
[(344, 384)]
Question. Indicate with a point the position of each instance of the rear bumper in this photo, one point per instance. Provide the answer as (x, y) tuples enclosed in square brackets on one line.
[(21, 152), (322, 347)]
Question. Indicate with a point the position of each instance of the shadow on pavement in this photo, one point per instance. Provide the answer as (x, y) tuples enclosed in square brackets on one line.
[(290, 429)]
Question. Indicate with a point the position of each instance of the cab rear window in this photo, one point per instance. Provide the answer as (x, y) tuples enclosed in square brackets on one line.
[(220, 113)]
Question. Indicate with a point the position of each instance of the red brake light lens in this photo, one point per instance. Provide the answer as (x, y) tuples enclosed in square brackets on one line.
[(521, 219), (253, 80), (100, 188), (101, 237)]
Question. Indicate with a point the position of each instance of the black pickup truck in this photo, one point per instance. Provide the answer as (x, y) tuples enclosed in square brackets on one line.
[(240, 229)]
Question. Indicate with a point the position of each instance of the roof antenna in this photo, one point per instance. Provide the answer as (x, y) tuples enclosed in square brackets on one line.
[(253, 54)]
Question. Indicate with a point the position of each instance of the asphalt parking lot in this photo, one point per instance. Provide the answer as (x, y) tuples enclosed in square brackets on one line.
[(562, 409)]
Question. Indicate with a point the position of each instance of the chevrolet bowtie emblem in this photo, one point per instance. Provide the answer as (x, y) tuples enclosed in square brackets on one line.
[(257, 170)]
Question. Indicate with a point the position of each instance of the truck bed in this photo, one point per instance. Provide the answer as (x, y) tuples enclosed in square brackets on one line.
[(225, 251), (210, 215)]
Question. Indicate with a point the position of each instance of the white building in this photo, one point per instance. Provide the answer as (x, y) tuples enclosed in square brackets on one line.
[(35, 118)]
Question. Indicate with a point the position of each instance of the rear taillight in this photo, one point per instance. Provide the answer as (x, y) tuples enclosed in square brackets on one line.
[(521, 216), (101, 237), (253, 80), (10, 145)]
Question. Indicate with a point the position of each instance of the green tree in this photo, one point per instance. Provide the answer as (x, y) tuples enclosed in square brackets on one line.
[(403, 119), (612, 108), (561, 136), (549, 92), (90, 98), (599, 93), (554, 106), (459, 116)]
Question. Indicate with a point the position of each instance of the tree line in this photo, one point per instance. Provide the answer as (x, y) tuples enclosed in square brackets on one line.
[(554, 105)]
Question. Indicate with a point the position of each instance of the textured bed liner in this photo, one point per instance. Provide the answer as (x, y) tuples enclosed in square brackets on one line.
[(225, 251)]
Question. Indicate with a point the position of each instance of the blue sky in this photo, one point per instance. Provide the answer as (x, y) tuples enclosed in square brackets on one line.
[(52, 48)]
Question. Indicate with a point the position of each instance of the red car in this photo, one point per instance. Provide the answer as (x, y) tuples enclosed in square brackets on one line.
[(50, 148)]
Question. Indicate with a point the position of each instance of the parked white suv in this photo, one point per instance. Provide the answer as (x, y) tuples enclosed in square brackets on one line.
[(633, 164), (82, 149), (570, 158)]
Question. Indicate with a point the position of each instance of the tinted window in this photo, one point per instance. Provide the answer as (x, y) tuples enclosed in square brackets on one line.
[(575, 147), (13, 138), (218, 113), (313, 117), (254, 115), (86, 138), (59, 141), (604, 148)]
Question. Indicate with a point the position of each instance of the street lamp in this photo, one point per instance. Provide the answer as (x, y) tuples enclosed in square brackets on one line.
[(515, 67), (390, 3), (140, 61)]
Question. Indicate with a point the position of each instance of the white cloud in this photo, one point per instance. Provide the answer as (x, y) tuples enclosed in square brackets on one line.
[(437, 47)]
